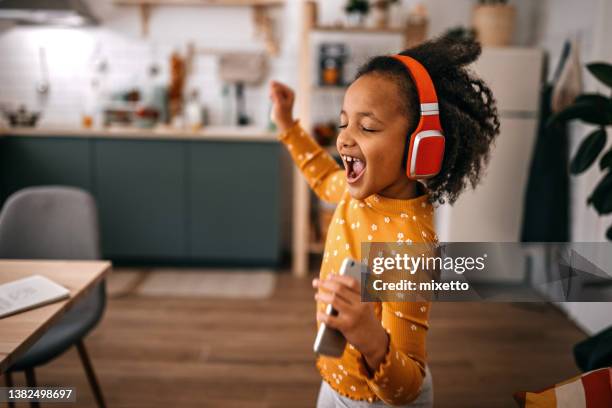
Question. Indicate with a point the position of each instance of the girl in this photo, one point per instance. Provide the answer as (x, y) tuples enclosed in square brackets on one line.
[(384, 361)]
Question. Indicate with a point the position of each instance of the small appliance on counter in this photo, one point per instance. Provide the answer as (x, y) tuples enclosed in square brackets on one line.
[(242, 69)]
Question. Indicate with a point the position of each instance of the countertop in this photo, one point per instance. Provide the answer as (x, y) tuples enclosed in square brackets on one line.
[(217, 133)]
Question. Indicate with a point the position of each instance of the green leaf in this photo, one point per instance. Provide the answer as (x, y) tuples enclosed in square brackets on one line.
[(604, 185), (588, 151), (603, 204), (601, 198), (595, 99), (609, 234), (606, 160), (587, 110), (601, 71)]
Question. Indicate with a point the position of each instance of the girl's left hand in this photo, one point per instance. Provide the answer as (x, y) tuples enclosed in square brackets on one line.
[(356, 320)]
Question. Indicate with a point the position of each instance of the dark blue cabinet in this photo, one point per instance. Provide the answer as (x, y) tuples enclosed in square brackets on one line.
[(32, 161), (140, 189), (163, 200), (234, 201)]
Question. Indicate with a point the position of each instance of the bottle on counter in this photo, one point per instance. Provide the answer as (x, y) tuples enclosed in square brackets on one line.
[(90, 113), (194, 119), (229, 107)]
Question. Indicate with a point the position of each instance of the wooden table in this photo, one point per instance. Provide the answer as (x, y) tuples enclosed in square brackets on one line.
[(20, 331)]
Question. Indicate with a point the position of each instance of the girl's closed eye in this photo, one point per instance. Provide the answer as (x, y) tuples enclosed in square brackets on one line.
[(364, 128)]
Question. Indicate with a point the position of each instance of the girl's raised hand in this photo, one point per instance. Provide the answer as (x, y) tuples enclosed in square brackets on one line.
[(283, 98)]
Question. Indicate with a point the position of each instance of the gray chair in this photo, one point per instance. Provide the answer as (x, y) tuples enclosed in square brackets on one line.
[(55, 223)]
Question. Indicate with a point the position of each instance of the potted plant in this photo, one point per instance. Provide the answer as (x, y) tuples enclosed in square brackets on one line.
[(594, 109), (416, 25), (380, 12), (356, 11), (494, 22)]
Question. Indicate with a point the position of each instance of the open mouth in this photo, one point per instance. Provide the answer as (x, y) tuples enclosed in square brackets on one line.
[(355, 168)]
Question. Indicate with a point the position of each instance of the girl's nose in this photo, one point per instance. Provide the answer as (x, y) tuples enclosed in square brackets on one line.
[(345, 140)]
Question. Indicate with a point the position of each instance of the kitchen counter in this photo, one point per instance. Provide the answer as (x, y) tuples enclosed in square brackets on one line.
[(219, 133)]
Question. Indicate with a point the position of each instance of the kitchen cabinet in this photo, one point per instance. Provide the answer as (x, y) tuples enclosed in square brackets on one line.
[(32, 161), (163, 199), (234, 201), (140, 191)]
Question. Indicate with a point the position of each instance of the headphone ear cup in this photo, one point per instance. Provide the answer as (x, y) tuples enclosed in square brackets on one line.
[(425, 155)]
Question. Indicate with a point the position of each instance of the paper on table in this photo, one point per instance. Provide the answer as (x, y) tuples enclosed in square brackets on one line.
[(29, 293)]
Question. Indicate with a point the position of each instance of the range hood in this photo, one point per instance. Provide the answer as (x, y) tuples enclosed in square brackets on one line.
[(47, 12)]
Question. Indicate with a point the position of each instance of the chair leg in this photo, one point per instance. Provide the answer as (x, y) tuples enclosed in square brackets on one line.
[(8, 380), (91, 375), (31, 382)]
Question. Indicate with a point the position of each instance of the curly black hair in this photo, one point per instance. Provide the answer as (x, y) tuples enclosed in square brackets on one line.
[(468, 111)]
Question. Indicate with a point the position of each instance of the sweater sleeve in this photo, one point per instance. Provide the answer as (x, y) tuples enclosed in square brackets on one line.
[(321, 171), (398, 379)]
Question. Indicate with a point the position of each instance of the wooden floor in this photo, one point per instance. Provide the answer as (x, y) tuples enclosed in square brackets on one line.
[(152, 352)]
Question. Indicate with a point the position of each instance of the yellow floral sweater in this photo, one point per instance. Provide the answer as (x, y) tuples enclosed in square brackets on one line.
[(378, 219)]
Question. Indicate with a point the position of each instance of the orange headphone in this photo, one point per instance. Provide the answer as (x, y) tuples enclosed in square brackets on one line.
[(426, 148)]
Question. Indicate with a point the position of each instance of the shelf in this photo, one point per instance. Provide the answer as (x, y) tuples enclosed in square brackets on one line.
[(222, 3), (307, 90), (260, 8), (357, 30)]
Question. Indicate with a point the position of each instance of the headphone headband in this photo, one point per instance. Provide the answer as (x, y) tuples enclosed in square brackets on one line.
[(423, 83)]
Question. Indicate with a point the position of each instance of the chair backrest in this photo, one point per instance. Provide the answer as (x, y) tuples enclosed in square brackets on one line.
[(51, 222)]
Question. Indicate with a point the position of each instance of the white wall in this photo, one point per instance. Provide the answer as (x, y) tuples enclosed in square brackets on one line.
[(70, 54)]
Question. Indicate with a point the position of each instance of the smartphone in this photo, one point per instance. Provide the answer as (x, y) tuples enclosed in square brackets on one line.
[(331, 342)]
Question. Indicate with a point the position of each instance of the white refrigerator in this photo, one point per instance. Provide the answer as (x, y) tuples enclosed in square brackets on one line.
[(493, 211)]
